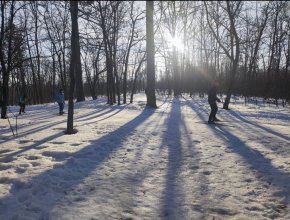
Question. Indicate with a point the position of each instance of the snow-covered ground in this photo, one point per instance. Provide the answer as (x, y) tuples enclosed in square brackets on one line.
[(134, 162)]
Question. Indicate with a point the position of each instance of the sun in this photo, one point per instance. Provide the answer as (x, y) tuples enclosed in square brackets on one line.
[(175, 42)]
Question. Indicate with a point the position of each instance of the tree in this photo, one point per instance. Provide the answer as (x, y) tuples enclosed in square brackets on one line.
[(56, 28), (6, 65), (78, 66), (131, 43), (151, 99), (75, 66), (136, 72), (232, 10)]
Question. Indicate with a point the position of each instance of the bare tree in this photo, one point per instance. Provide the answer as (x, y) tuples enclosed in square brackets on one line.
[(75, 66), (6, 65), (151, 99), (131, 43), (232, 10), (139, 62)]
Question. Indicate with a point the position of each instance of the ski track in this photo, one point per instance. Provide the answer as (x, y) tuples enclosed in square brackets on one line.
[(134, 162)]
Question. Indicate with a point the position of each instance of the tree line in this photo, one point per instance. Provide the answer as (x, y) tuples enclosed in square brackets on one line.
[(107, 48)]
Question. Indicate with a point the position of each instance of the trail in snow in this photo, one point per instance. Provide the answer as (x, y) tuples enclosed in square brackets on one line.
[(134, 162)]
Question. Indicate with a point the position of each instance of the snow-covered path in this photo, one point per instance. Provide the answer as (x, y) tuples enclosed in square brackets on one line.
[(133, 162)]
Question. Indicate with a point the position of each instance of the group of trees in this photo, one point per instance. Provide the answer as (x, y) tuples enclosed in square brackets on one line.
[(36, 50), (243, 44), (109, 47)]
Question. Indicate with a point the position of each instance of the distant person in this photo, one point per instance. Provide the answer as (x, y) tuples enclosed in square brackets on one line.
[(22, 104), (212, 98), (59, 98)]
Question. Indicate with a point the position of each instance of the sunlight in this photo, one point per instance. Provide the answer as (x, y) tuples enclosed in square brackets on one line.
[(175, 42)]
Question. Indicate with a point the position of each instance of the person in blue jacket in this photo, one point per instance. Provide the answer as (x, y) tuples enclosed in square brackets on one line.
[(22, 104), (59, 98)]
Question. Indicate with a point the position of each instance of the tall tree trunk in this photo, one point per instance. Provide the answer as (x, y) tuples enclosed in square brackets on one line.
[(37, 53), (115, 42), (135, 78), (151, 99), (117, 77), (287, 91), (74, 64), (78, 71), (6, 69), (53, 73), (33, 74), (235, 60), (234, 36), (267, 85), (23, 83)]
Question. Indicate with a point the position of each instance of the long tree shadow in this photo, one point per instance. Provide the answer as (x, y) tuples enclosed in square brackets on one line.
[(115, 113), (235, 115), (200, 113), (67, 173), (172, 142), (253, 157), (200, 180), (175, 191), (42, 117), (136, 175), (257, 161), (94, 114)]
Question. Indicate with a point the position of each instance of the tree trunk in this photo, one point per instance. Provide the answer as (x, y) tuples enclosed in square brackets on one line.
[(6, 69), (23, 83), (53, 74), (231, 85), (33, 74), (74, 64), (151, 99), (135, 78), (38, 55), (78, 70)]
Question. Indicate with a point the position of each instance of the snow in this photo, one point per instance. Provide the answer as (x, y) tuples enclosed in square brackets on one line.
[(134, 162)]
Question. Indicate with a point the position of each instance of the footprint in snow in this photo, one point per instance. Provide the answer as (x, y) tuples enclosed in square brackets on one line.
[(58, 165), (6, 159), (3, 180), (33, 158), (24, 141), (35, 164), (206, 173), (58, 143), (4, 151), (18, 185), (4, 167), (57, 155), (20, 170), (41, 147)]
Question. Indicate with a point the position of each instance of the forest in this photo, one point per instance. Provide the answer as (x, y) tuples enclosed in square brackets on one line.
[(243, 44), (163, 110)]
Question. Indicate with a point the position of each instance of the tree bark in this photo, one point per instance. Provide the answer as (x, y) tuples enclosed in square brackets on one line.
[(37, 52), (74, 64), (151, 99), (6, 69), (78, 70)]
